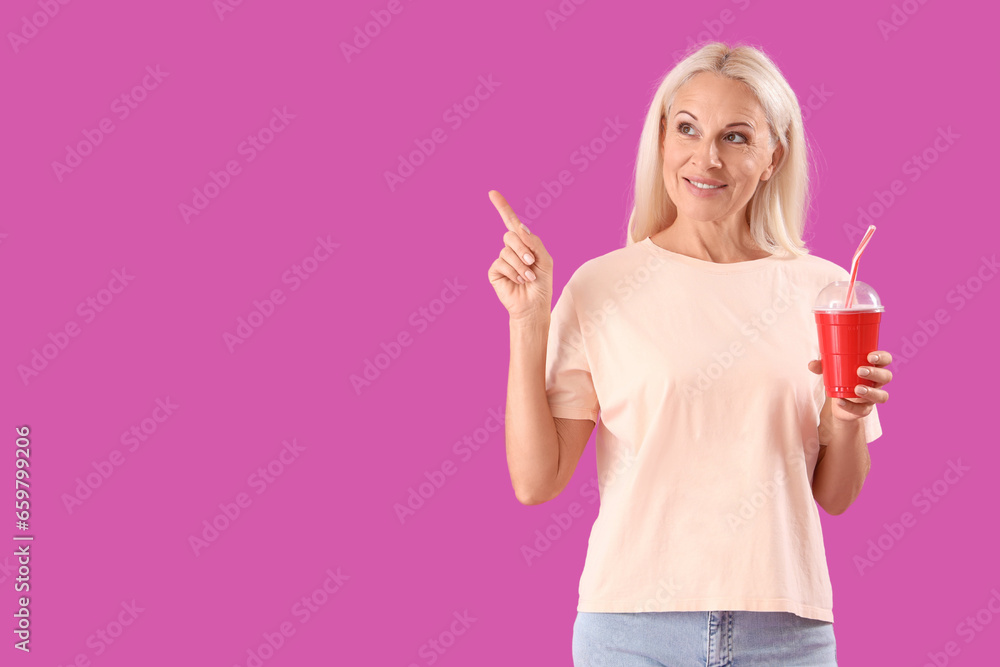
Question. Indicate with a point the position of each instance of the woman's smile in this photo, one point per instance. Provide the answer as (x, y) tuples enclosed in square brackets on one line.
[(703, 191)]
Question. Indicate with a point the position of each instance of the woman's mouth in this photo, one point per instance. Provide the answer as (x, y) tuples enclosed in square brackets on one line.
[(702, 190)]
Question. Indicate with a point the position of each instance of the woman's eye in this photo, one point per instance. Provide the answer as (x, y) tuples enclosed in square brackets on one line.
[(681, 126)]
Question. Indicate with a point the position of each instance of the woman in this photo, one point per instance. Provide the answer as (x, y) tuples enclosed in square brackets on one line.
[(694, 351)]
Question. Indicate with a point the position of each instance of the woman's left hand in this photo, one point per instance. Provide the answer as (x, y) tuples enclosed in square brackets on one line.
[(852, 409)]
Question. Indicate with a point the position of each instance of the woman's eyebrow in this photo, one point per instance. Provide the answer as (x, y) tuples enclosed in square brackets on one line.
[(730, 125)]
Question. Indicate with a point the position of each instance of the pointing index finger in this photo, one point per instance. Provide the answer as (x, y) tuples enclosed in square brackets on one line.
[(507, 213)]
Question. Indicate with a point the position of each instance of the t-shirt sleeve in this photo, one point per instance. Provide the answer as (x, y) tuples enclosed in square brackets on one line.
[(873, 429), (568, 382)]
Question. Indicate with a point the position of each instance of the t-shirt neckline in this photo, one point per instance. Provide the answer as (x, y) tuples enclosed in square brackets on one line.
[(705, 265)]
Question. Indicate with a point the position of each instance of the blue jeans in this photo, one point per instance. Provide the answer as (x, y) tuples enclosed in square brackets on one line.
[(702, 639)]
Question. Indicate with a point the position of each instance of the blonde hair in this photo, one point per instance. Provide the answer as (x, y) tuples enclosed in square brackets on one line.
[(776, 212)]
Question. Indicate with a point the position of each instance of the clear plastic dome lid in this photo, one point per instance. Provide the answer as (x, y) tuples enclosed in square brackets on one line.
[(834, 297)]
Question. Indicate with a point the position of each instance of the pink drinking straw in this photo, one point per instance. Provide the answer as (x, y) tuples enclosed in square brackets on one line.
[(854, 263)]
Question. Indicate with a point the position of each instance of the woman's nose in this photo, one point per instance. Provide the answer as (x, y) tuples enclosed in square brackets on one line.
[(707, 154)]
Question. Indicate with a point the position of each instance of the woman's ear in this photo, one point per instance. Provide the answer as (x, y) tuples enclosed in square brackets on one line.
[(775, 160)]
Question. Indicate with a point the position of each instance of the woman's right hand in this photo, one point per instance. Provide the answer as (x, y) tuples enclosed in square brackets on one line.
[(524, 286)]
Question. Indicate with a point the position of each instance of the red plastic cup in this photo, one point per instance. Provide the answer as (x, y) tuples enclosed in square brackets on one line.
[(847, 335)]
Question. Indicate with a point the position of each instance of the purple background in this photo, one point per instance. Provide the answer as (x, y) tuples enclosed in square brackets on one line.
[(887, 99)]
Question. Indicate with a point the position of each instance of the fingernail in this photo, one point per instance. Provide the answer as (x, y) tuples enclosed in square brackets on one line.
[(873, 358), (528, 259), (529, 274), (861, 390), (864, 372), (525, 228)]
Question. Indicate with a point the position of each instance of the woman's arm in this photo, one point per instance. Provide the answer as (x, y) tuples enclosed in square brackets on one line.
[(532, 441), (842, 465)]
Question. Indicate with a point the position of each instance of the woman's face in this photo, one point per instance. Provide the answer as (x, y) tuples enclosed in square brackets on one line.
[(716, 131)]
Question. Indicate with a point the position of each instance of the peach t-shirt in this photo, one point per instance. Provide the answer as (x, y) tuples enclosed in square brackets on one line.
[(707, 429)]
